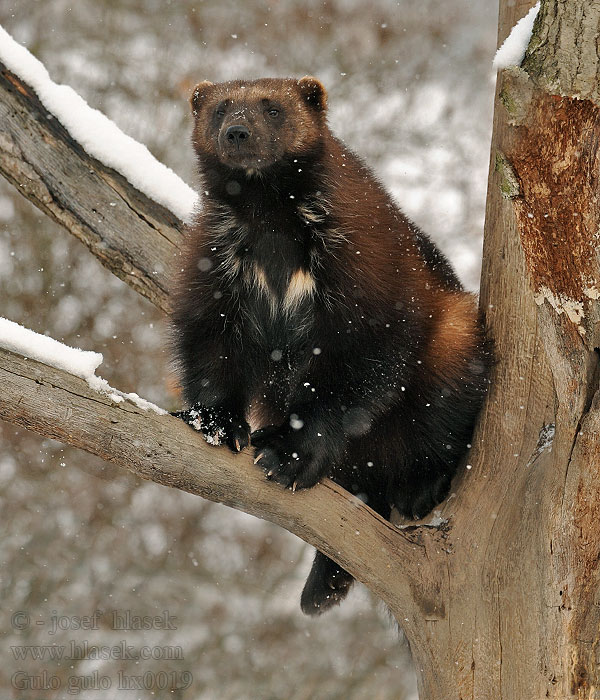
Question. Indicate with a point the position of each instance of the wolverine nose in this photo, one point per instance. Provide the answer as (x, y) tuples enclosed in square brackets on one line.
[(237, 134)]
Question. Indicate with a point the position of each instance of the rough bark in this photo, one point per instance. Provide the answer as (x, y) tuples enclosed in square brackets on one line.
[(562, 57), (502, 602)]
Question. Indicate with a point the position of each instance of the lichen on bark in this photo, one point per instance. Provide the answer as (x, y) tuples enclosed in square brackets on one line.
[(562, 57)]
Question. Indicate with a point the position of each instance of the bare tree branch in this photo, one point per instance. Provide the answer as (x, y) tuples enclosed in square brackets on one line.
[(132, 236)]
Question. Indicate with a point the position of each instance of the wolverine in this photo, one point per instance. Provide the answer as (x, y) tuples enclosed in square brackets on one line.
[(312, 321)]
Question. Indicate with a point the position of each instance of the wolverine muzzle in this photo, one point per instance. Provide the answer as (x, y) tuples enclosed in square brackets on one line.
[(237, 135)]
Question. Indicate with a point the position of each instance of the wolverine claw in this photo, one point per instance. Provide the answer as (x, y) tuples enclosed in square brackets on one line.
[(218, 425), (286, 462)]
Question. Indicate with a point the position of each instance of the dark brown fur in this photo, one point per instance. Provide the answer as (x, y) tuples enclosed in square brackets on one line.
[(309, 305)]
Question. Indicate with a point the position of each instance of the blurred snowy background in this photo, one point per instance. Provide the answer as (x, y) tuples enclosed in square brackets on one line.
[(410, 89)]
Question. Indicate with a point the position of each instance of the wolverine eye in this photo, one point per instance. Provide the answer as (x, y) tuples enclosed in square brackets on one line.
[(220, 112), (273, 112)]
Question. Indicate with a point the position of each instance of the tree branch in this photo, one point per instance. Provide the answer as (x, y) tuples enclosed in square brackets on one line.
[(132, 236), (165, 450)]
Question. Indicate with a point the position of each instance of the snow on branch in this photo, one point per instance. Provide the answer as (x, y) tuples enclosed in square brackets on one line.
[(17, 338), (133, 236), (165, 450), (98, 135), (80, 363)]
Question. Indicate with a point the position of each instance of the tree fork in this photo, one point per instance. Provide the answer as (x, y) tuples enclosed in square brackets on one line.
[(520, 615)]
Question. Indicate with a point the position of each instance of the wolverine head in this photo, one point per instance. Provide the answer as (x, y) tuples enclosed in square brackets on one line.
[(251, 125)]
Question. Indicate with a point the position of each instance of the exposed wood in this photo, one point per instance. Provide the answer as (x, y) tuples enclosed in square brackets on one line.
[(134, 237), (552, 151)]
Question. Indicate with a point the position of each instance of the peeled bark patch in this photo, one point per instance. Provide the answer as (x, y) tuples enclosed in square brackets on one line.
[(555, 157)]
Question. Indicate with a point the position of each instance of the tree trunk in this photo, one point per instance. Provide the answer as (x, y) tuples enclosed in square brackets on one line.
[(511, 602), (501, 601)]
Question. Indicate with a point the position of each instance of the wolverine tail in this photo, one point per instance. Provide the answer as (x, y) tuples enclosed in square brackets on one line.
[(327, 585)]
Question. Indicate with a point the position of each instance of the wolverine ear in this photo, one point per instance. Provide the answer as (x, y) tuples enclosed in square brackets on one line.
[(200, 92), (313, 92)]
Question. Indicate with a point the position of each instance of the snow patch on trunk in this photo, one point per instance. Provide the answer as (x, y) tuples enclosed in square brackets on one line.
[(512, 51)]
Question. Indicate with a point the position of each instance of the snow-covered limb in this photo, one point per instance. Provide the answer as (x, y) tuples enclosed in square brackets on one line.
[(130, 234), (165, 450), (98, 135), (80, 363), (17, 338)]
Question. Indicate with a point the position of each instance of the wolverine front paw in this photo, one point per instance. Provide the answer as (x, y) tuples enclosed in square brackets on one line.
[(218, 426), (289, 458)]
